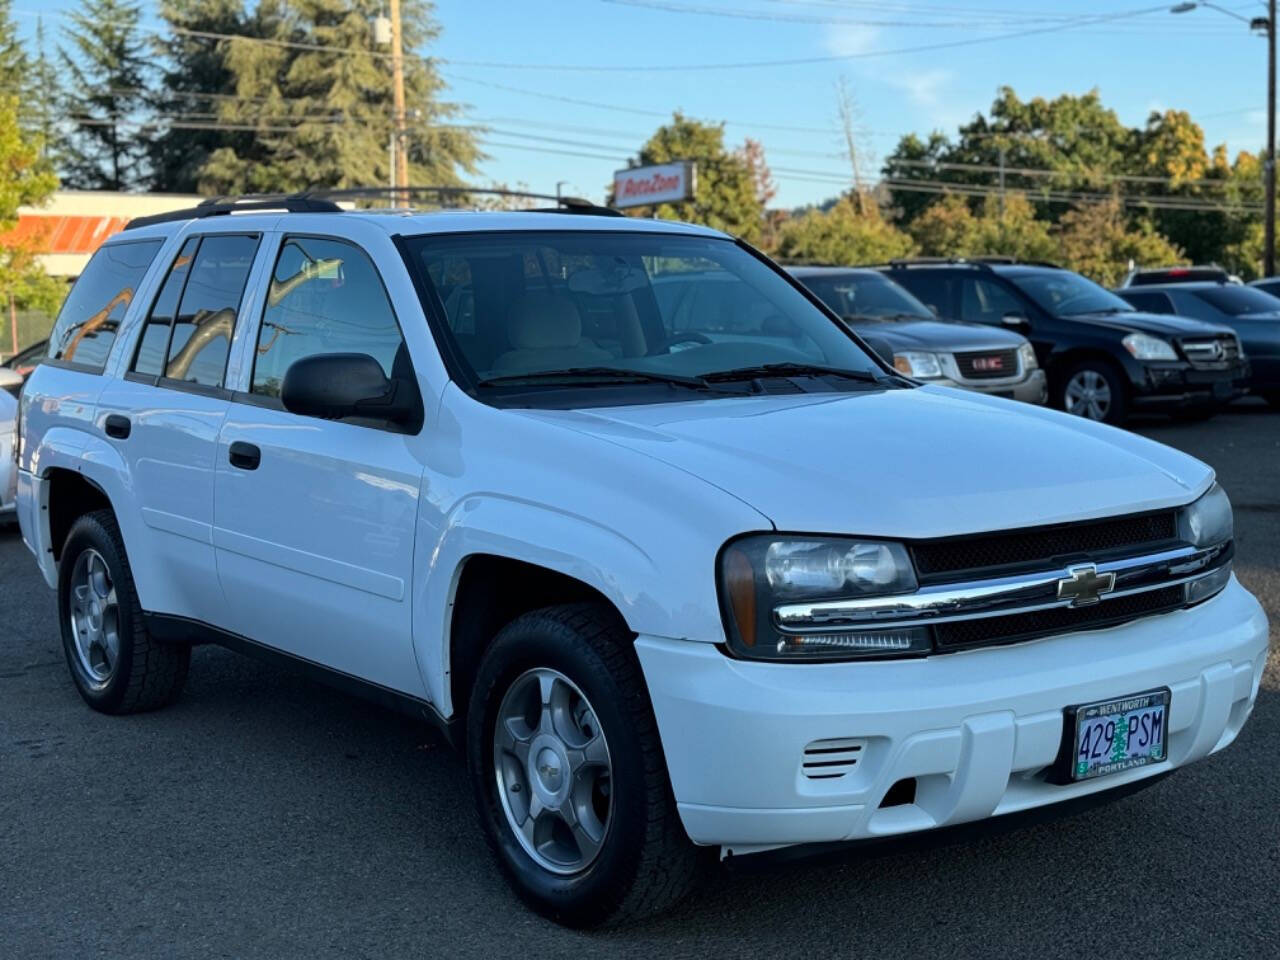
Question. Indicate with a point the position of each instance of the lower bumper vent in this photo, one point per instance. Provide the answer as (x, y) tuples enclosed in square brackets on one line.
[(831, 759)]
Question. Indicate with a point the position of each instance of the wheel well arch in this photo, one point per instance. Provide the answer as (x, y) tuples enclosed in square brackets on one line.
[(71, 496), (1064, 361), (490, 592)]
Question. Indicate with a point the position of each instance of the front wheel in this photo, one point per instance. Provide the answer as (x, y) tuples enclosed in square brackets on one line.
[(1095, 390), (568, 772)]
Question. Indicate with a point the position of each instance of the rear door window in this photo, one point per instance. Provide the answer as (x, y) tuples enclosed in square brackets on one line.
[(932, 288), (86, 326), (188, 332)]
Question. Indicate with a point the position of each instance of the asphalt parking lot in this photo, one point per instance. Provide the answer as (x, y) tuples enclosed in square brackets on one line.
[(264, 816)]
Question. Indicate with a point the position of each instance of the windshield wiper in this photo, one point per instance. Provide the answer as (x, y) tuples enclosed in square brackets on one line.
[(791, 370), (596, 375)]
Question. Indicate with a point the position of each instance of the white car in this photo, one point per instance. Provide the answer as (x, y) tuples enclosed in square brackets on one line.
[(676, 593), (8, 463)]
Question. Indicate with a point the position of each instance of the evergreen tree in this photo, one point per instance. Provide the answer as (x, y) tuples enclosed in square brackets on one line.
[(44, 98), (13, 59), (195, 83), (106, 71), (323, 117)]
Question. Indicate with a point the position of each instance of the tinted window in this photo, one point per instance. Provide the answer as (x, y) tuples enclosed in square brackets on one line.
[(1235, 300), (1066, 294), (652, 302), (86, 325), (1150, 302), (1271, 287), (865, 296), (154, 343), (986, 301), (932, 288), (325, 297), (207, 314)]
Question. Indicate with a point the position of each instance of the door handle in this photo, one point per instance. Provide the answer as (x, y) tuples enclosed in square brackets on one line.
[(246, 456), (117, 426)]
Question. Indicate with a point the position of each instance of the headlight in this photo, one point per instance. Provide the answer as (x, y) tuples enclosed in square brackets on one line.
[(759, 573), (1146, 347), (1028, 354), (922, 366), (1207, 522)]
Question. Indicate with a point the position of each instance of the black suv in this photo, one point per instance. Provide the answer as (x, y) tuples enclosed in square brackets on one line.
[(1103, 358)]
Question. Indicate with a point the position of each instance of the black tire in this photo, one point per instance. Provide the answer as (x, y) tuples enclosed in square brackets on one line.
[(146, 674), (646, 863), (1117, 410), (1273, 399)]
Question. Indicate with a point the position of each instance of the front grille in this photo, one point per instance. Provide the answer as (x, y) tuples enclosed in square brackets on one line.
[(1013, 627), (987, 364), (1212, 353), (985, 554)]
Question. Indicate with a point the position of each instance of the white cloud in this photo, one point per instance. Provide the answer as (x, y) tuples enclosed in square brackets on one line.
[(923, 87), (847, 40)]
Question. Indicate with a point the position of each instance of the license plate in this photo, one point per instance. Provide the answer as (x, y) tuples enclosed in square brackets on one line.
[(1116, 735)]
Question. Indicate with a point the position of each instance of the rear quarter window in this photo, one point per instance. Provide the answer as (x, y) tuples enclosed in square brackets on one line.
[(86, 326)]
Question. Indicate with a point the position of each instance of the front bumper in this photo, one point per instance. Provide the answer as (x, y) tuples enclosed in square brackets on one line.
[(1033, 388), (1161, 386), (976, 730)]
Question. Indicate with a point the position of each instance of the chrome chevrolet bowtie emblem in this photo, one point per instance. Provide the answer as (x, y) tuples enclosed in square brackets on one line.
[(1085, 585)]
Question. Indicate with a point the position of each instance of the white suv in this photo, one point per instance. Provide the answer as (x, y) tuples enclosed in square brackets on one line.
[(724, 589)]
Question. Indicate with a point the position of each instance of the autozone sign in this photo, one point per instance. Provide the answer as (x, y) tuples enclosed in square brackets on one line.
[(663, 183)]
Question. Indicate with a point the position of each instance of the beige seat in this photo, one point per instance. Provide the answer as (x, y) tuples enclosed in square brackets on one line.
[(545, 331)]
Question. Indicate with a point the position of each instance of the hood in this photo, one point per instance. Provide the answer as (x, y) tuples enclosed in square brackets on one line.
[(910, 463), (938, 335), (1161, 324)]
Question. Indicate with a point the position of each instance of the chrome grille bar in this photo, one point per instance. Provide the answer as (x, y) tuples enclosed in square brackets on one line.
[(1024, 593)]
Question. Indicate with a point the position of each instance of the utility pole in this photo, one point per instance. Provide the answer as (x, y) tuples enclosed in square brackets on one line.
[(1269, 228), (397, 74), (1002, 183), (847, 108)]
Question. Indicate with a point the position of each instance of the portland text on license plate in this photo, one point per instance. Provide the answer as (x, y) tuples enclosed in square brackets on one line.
[(1116, 735)]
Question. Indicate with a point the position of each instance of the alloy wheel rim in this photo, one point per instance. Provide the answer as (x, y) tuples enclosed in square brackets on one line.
[(95, 617), (553, 770), (1088, 395)]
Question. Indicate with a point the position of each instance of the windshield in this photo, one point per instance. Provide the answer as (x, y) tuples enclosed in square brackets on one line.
[(865, 296), (1236, 301), (1066, 294), (661, 305)]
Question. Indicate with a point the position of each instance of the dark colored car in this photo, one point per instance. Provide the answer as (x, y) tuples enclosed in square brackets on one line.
[(1253, 314), (1162, 275), (1269, 285), (22, 363), (1103, 358), (997, 362)]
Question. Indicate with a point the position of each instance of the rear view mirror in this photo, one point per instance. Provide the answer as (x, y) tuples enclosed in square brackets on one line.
[(881, 348), (333, 386)]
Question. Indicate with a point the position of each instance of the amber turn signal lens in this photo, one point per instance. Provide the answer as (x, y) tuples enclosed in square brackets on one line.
[(740, 585)]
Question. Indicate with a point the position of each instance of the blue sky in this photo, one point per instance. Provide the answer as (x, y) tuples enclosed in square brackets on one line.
[(508, 63)]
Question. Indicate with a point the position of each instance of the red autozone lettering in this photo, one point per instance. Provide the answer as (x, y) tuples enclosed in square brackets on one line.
[(988, 363), (654, 184)]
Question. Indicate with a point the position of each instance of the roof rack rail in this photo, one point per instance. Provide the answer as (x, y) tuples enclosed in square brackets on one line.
[(980, 262), (563, 204), (324, 200), (223, 206)]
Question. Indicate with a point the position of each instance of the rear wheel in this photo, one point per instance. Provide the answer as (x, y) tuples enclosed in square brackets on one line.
[(116, 665), (568, 772), (1095, 390)]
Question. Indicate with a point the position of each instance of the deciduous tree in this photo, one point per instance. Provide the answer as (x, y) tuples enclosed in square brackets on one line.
[(1097, 240), (845, 235)]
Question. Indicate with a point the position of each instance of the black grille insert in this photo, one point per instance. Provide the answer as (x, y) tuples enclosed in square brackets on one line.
[(984, 554), (1013, 627), (987, 364)]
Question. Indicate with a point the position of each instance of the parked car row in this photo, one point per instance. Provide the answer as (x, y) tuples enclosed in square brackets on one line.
[(1168, 341)]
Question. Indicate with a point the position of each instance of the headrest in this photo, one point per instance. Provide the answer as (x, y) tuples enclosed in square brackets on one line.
[(540, 321)]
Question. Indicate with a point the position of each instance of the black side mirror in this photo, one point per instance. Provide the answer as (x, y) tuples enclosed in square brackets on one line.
[(337, 385), (882, 348), (1016, 321)]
